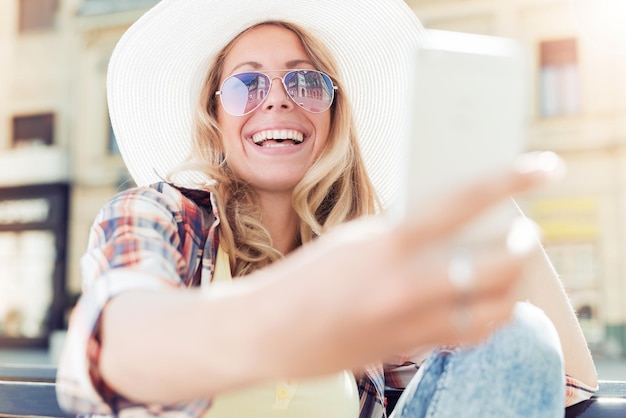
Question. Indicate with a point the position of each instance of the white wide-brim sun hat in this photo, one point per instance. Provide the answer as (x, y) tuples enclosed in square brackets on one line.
[(157, 69)]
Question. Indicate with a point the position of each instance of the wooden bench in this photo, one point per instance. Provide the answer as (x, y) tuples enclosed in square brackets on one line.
[(28, 391)]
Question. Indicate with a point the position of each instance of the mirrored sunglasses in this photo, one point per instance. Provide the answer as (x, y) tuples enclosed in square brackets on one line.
[(243, 93)]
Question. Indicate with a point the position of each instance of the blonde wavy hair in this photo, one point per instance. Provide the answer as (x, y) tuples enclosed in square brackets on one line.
[(334, 190)]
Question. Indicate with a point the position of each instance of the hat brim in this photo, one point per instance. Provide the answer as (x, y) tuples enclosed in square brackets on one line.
[(157, 69)]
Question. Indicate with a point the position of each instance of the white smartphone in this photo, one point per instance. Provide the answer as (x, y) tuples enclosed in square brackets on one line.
[(469, 113)]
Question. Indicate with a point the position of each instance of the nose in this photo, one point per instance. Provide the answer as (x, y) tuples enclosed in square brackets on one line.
[(277, 97)]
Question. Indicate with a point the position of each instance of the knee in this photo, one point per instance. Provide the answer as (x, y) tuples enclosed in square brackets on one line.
[(533, 339)]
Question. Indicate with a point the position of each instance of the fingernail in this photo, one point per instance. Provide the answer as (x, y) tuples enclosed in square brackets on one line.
[(523, 236), (543, 164)]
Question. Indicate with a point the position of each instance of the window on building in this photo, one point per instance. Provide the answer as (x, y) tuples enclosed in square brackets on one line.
[(33, 130), (33, 236), (36, 14), (28, 258), (576, 263), (559, 78), (585, 312)]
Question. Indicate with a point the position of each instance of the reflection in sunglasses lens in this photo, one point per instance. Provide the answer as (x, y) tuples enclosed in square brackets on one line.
[(309, 89), (235, 95)]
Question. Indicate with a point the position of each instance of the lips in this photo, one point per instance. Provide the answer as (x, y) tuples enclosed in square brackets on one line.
[(278, 137)]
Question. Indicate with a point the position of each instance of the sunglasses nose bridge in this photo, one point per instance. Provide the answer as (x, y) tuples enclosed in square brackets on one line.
[(282, 89), (281, 81)]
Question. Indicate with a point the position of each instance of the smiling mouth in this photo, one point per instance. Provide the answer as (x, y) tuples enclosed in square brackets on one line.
[(278, 138)]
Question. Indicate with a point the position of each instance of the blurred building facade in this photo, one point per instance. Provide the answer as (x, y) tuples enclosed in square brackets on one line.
[(58, 159), (577, 55), (59, 162)]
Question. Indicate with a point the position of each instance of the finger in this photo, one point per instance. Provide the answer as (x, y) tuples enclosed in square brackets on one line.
[(428, 310), (468, 323), (472, 323), (429, 278), (443, 216)]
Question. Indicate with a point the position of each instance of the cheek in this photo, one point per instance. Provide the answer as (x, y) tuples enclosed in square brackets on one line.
[(230, 127), (323, 131)]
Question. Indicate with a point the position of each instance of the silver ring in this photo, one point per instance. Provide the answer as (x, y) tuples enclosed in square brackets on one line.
[(461, 273)]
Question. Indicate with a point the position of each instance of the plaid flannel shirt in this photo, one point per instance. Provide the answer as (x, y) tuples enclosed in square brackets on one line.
[(160, 236)]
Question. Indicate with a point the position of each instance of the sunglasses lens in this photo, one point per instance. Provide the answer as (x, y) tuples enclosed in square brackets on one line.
[(242, 93), (311, 90)]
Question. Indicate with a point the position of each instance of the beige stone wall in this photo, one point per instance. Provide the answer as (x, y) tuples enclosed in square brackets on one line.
[(35, 79), (97, 174), (62, 70)]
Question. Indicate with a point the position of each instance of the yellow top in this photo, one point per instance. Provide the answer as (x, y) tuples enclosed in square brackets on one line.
[(334, 396)]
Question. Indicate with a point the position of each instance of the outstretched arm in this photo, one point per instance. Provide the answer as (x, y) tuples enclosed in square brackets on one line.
[(360, 293)]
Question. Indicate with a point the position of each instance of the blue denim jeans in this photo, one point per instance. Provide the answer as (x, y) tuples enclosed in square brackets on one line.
[(517, 372)]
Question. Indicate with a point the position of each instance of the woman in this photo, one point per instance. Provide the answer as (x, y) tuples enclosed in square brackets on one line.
[(168, 325)]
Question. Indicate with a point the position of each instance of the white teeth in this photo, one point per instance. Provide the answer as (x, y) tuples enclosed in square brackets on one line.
[(285, 134)]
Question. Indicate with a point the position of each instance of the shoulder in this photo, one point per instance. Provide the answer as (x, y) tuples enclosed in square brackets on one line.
[(162, 200)]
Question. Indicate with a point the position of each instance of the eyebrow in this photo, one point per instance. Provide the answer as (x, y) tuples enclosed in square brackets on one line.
[(289, 64)]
